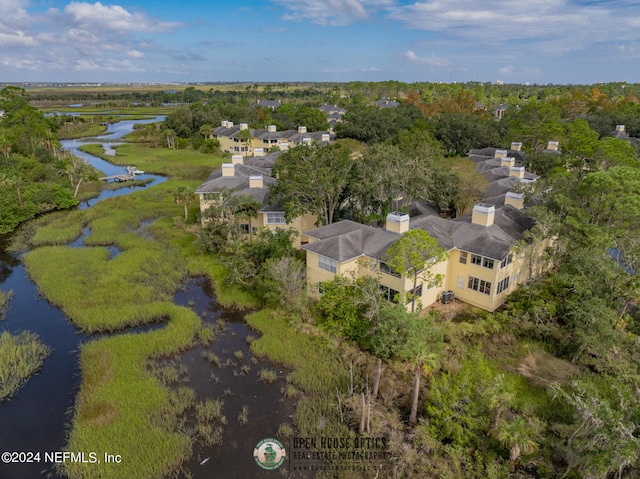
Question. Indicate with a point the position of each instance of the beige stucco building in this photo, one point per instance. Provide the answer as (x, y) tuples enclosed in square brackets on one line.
[(236, 178), (485, 260), (258, 142)]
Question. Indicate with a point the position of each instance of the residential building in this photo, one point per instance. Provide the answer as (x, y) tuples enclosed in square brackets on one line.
[(386, 103), (483, 265), (236, 178), (261, 141), (487, 257)]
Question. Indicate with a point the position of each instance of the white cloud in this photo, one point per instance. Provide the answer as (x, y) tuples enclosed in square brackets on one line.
[(17, 38), (113, 17), (551, 26), (430, 60), (332, 12)]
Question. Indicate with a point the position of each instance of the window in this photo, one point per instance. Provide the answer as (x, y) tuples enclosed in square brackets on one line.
[(244, 228), (507, 260), (276, 218), (326, 263), (254, 230), (487, 263), (463, 257), (390, 294), (481, 261), (211, 196), (503, 285), (417, 293), (385, 268), (479, 285), (321, 287)]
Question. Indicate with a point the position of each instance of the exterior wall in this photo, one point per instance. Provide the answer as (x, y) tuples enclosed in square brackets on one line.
[(455, 277)]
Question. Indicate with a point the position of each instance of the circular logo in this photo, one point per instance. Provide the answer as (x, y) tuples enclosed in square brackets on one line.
[(269, 454)]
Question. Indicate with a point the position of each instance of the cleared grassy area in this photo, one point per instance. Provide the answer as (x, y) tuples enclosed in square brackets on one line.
[(175, 164), (20, 356)]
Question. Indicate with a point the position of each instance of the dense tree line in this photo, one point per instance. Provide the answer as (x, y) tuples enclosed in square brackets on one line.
[(34, 176)]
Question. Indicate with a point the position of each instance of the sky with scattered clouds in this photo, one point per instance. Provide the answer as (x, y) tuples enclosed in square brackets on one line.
[(537, 41)]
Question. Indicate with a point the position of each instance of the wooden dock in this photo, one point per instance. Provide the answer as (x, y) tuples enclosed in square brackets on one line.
[(118, 178)]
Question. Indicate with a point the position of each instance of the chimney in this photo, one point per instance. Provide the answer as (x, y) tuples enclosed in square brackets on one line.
[(500, 153), (228, 169), (237, 159), (302, 129), (229, 124), (271, 128), (325, 137), (258, 152), (483, 214), (284, 146), (224, 123), (508, 161), (256, 181), (306, 140), (516, 146), (619, 127), (552, 145), (514, 199), (397, 222), (517, 171)]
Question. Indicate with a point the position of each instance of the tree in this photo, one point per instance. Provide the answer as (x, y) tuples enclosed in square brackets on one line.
[(245, 138), (519, 436), (284, 282), (183, 194), (312, 179), (14, 180), (414, 255), (422, 362)]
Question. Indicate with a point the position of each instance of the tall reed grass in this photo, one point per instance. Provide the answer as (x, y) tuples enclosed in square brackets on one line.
[(20, 357)]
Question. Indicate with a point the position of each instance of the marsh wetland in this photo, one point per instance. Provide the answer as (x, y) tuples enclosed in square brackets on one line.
[(140, 345)]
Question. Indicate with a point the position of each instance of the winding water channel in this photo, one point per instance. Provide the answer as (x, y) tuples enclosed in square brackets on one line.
[(37, 418)]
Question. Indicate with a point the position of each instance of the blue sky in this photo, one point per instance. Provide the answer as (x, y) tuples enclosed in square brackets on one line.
[(536, 41)]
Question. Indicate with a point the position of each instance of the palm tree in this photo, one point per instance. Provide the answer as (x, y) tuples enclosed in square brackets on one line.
[(500, 398), (206, 131), (422, 363), (519, 437), (183, 194)]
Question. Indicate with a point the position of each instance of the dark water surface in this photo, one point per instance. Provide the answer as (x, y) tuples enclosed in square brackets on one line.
[(37, 417)]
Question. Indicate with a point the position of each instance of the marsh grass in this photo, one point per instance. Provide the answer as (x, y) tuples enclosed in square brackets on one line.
[(267, 375), (5, 299), (209, 422), (243, 417), (119, 398), (206, 335), (20, 357)]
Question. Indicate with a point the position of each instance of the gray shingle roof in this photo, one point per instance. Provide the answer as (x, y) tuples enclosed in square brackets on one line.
[(347, 239)]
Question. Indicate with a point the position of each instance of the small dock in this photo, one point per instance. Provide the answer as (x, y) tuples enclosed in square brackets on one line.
[(118, 178)]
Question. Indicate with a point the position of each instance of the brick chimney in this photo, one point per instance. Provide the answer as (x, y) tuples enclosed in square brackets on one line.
[(271, 128), (302, 129), (500, 154), (552, 145), (483, 214), (237, 159), (397, 222), (516, 146)]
